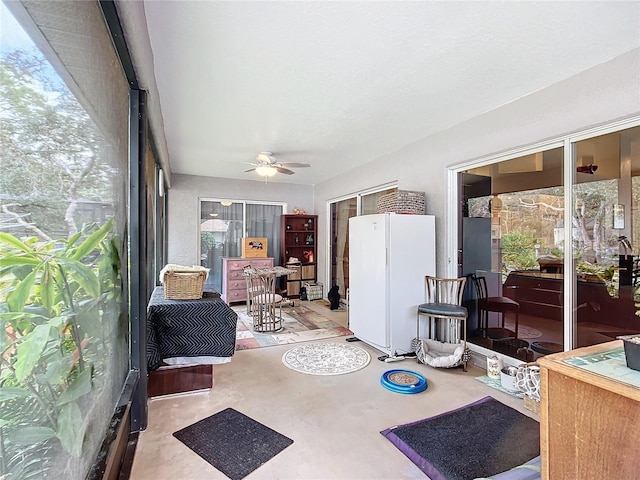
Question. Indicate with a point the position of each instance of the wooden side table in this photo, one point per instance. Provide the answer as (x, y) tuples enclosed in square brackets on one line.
[(589, 415)]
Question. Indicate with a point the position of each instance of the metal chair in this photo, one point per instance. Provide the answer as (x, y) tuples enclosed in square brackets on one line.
[(264, 304), (501, 305), (445, 316)]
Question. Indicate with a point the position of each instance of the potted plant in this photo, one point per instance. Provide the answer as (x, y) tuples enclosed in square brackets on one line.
[(631, 350)]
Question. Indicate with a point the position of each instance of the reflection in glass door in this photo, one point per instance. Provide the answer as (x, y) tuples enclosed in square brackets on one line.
[(605, 236), (514, 223), (512, 242)]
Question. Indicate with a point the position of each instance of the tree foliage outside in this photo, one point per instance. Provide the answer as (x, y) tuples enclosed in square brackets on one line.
[(518, 251), (60, 284), (49, 151), (207, 241), (532, 224), (594, 239)]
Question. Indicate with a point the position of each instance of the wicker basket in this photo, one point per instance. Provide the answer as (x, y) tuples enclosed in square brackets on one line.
[(314, 290), (183, 285), (402, 201)]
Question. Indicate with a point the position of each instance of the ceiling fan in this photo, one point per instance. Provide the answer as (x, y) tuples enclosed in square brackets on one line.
[(266, 165)]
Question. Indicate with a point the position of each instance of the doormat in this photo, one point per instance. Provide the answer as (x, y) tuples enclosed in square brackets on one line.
[(481, 439), (232, 442), (326, 358), (300, 324), (495, 383)]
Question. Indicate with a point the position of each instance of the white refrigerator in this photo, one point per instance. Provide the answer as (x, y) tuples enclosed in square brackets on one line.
[(389, 256)]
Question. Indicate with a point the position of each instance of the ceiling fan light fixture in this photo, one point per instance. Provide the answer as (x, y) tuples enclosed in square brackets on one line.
[(226, 203), (266, 171)]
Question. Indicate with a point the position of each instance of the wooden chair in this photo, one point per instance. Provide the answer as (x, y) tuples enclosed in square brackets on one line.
[(445, 318)]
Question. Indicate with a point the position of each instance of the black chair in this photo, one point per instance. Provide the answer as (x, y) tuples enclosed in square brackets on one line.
[(501, 305)]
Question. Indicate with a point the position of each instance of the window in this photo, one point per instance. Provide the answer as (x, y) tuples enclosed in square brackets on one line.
[(63, 147), (223, 224)]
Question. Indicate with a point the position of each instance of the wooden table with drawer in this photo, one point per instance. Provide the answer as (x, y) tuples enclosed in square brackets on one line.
[(589, 422), (234, 283)]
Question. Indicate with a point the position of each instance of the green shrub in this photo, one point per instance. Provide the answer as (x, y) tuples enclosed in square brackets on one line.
[(53, 300)]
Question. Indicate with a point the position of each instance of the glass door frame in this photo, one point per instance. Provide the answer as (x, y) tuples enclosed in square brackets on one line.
[(327, 226), (567, 142)]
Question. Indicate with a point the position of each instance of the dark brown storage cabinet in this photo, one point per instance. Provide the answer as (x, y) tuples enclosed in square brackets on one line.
[(299, 239)]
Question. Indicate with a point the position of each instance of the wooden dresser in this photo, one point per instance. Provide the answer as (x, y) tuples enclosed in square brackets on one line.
[(589, 422), (234, 284)]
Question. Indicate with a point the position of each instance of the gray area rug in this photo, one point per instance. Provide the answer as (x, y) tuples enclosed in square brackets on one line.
[(232, 442), (475, 441)]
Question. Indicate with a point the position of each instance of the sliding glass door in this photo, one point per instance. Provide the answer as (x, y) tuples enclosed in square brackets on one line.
[(223, 224), (570, 266), (340, 212), (606, 236), (512, 239)]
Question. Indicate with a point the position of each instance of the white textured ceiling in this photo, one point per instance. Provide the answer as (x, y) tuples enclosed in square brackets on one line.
[(339, 84)]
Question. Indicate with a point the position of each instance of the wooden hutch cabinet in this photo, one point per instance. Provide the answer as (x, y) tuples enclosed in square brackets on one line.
[(299, 239)]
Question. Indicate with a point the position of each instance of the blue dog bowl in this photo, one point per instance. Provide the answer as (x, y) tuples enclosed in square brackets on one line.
[(403, 381)]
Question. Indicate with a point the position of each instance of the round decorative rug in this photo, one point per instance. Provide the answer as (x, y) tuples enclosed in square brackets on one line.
[(326, 358)]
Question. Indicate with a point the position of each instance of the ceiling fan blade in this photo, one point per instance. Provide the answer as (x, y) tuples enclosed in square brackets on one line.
[(286, 171), (250, 170), (293, 165)]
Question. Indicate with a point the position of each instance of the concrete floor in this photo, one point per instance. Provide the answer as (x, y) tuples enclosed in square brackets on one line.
[(334, 420)]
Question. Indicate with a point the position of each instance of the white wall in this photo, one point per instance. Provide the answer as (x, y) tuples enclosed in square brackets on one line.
[(183, 204), (600, 95)]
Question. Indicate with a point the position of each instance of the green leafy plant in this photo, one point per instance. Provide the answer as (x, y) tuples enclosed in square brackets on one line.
[(518, 251), (53, 299), (606, 274)]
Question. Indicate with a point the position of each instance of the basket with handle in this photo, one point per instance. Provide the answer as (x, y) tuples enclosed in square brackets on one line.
[(187, 284)]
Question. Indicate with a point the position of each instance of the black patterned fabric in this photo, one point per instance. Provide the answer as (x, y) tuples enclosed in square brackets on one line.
[(189, 328)]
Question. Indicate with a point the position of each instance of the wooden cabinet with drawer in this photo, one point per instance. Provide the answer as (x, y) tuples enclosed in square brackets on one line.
[(589, 414), (234, 285)]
